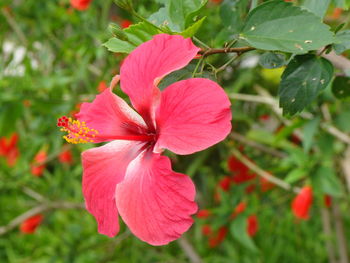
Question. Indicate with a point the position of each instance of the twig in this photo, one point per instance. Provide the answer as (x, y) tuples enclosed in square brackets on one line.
[(238, 137), (339, 230), (211, 51), (35, 195), (306, 115), (223, 67), (37, 210), (251, 98), (95, 70), (12, 22), (266, 98), (345, 164), (339, 62), (200, 42), (336, 132), (325, 112), (259, 171), (189, 250), (326, 224)]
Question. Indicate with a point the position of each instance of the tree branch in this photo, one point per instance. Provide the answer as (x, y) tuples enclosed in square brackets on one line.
[(189, 250), (262, 173), (339, 230), (326, 224), (238, 137), (212, 51), (12, 22), (339, 62), (341, 136)]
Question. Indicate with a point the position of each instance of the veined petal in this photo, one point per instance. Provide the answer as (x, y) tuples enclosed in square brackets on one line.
[(155, 202), (103, 168), (110, 115), (193, 115), (148, 63)]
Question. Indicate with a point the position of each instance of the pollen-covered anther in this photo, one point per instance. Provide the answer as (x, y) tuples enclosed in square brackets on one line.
[(78, 132)]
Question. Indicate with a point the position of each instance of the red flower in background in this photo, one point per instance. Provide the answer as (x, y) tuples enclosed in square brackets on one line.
[(265, 185), (204, 213), (252, 225), (327, 201), (225, 183), (80, 4), (27, 103), (30, 225), (125, 23), (240, 208), (9, 149), (264, 117), (66, 157), (302, 203), (102, 86), (217, 238), (207, 230), (216, 1), (337, 13), (38, 165), (240, 170)]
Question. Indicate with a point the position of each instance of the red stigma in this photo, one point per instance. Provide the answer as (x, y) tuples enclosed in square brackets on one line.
[(62, 122)]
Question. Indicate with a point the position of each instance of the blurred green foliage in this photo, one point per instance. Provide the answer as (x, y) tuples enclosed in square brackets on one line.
[(52, 58)]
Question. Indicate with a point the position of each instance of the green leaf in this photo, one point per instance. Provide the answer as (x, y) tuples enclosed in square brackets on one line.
[(181, 74), (304, 77), (239, 231), (317, 7), (10, 113), (295, 175), (232, 14), (277, 25), (191, 30), (132, 36), (161, 18), (342, 122), (326, 181), (125, 4), (272, 60), (341, 87), (338, 28), (117, 31), (184, 73), (119, 46), (140, 32), (342, 41), (177, 14), (341, 3), (309, 132)]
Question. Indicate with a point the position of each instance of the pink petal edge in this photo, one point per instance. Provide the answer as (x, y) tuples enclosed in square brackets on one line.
[(103, 168), (193, 115), (148, 64), (155, 202)]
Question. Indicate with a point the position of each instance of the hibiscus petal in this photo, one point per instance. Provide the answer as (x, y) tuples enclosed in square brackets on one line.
[(110, 115), (155, 202), (193, 115), (104, 167), (148, 63)]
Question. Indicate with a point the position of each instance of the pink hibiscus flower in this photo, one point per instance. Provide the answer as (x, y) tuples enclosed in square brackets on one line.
[(129, 176)]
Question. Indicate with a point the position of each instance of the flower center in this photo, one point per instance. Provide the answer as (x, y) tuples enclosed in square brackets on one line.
[(78, 132)]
